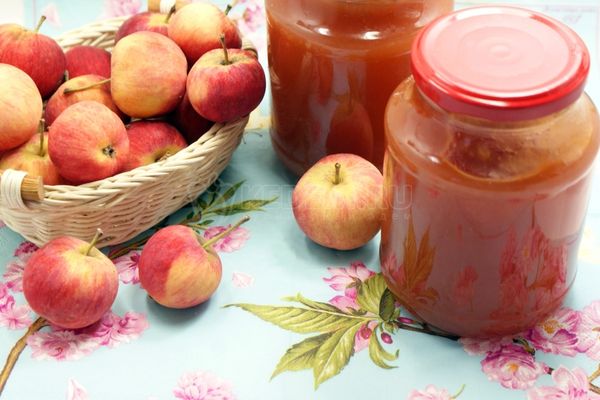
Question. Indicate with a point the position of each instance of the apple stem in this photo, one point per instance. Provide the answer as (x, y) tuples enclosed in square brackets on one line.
[(97, 237), (338, 178), (222, 40), (170, 14), (86, 87), (226, 232), (228, 9), (41, 128), (17, 349), (39, 25)]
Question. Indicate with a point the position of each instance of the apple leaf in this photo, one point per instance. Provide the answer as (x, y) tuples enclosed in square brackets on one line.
[(387, 306), (242, 207), (301, 355), (334, 354), (302, 320), (378, 354), (370, 293)]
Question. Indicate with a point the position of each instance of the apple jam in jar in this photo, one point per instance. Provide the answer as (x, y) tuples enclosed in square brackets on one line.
[(333, 66), (487, 171)]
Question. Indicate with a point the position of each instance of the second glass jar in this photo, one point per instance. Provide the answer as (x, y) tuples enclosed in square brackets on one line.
[(333, 65)]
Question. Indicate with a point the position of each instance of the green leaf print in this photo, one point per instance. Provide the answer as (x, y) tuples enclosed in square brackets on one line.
[(334, 354), (378, 354), (300, 356), (387, 306), (242, 207), (315, 305), (229, 193), (370, 293)]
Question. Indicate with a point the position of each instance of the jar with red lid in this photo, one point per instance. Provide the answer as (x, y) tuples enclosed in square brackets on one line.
[(491, 144), (333, 66)]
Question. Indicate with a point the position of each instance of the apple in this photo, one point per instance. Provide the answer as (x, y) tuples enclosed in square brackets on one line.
[(145, 21), (33, 158), (338, 202), (151, 141), (36, 54), (87, 60), (85, 87), (148, 74), (20, 107), (70, 283), (191, 124), (178, 269), (225, 85), (197, 27), (88, 142)]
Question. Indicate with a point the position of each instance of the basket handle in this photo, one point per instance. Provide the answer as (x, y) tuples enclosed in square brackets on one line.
[(17, 186)]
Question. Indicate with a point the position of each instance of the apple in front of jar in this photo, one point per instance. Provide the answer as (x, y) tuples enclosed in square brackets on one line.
[(197, 29), (33, 158), (149, 74), (70, 283), (88, 142), (226, 84), (20, 107), (151, 141), (37, 55), (87, 60), (179, 269), (338, 202), (85, 87)]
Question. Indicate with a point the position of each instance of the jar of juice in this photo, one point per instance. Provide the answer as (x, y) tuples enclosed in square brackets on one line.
[(487, 172), (333, 66)]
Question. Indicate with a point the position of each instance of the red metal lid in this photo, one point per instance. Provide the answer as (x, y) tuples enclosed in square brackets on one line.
[(500, 63)]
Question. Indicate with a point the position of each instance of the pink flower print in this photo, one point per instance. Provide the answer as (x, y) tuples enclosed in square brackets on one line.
[(113, 330), (512, 367), (14, 275), (203, 386), (16, 318), (242, 280), (570, 385), (346, 279), (25, 250), (363, 336), (75, 391), (7, 301), (557, 334), (478, 347), (430, 393), (120, 8), (60, 345), (589, 331), (345, 303), (51, 14), (230, 243), (2, 224), (127, 267), (253, 17)]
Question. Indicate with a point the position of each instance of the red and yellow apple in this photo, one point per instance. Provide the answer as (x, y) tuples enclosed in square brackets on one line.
[(197, 27), (20, 107), (36, 54), (225, 84), (33, 158), (191, 124), (87, 60), (338, 202), (149, 75), (178, 269), (151, 141), (145, 21), (81, 88), (88, 142), (70, 283)]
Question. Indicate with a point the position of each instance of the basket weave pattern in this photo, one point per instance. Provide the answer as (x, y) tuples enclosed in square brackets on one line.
[(131, 202)]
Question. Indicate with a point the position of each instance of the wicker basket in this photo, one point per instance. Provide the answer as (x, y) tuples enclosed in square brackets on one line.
[(126, 204)]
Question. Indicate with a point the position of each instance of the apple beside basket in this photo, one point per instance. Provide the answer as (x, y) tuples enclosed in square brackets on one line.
[(123, 205)]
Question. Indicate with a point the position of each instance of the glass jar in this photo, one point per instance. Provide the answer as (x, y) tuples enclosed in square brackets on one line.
[(333, 65), (487, 172)]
